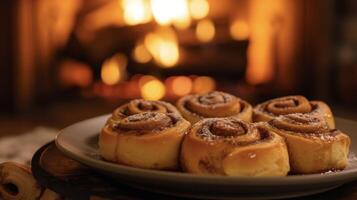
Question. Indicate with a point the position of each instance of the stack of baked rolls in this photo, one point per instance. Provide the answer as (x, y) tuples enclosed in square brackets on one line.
[(220, 134)]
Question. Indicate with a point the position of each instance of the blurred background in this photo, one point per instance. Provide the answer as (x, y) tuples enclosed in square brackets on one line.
[(66, 60)]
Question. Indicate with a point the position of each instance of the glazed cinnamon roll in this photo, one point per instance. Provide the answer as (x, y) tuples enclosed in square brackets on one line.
[(268, 110), (214, 104), (146, 140), (313, 146), (232, 147), (137, 106)]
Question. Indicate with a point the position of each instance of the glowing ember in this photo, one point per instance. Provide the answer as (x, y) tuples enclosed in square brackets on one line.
[(153, 90), (163, 46), (239, 30), (205, 30), (112, 69), (181, 85), (199, 8), (136, 11), (171, 12), (144, 79), (203, 84), (141, 54), (73, 73)]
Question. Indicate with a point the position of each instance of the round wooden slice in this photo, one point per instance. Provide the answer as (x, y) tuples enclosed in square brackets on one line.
[(53, 170)]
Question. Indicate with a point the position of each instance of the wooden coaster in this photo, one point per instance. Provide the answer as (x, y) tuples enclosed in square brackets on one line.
[(69, 178)]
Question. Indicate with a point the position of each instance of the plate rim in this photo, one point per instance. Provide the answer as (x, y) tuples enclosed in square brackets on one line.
[(342, 176)]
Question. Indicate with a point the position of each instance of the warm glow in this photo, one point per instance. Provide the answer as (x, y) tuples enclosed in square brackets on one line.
[(203, 84), (181, 85), (181, 18), (144, 79), (162, 11), (163, 46), (199, 8), (205, 30), (136, 11), (171, 12), (141, 54), (73, 73), (112, 69), (260, 55), (239, 30), (153, 90)]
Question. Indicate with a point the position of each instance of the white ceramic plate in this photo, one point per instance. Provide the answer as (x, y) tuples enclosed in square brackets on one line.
[(79, 142)]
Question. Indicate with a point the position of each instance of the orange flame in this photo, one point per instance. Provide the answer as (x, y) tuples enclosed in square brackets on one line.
[(171, 12), (113, 69), (163, 46), (199, 9), (181, 85), (140, 53), (152, 89), (203, 84), (205, 30), (136, 11), (239, 30)]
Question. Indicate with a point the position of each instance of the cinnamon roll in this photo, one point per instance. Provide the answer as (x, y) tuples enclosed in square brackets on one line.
[(268, 110), (214, 104), (232, 147), (313, 146), (146, 140), (17, 182), (137, 106)]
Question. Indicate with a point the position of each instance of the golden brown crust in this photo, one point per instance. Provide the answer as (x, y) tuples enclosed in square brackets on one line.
[(146, 140), (232, 147), (273, 108), (214, 104), (313, 146), (137, 106), (17, 182), (321, 108)]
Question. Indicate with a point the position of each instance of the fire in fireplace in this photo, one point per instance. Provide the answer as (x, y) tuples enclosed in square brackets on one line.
[(186, 46), (154, 49)]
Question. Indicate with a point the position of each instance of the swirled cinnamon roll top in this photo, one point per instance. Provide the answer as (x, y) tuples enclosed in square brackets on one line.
[(137, 106), (230, 130), (213, 104), (306, 125), (230, 146), (268, 110), (146, 122), (146, 140), (313, 146)]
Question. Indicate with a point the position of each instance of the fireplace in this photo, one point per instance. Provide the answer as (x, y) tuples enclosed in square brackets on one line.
[(158, 49)]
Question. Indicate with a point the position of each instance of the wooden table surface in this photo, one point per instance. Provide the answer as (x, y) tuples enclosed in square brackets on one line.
[(54, 170)]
